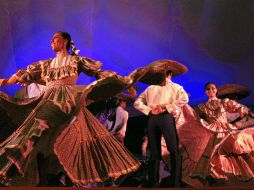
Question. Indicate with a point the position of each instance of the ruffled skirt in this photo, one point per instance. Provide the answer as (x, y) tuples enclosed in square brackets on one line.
[(206, 156), (74, 140), (232, 160)]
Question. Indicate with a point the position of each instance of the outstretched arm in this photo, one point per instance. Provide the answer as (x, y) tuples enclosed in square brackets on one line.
[(233, 107), (20, 77), (9, 81), (88, 66)]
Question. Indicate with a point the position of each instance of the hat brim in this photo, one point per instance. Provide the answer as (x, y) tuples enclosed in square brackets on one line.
[(105, 89), (233, 90), (112, 85), (125, 97), (156, 70)]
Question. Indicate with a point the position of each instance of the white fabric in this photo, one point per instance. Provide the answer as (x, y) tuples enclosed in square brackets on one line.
[(172, 96), (232, 116), (34, 90)]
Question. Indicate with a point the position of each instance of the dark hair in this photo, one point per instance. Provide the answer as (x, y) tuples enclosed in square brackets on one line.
[(66, 36), (209, 83), (70, 43), (103, 106), (232, 97), (169, 72)]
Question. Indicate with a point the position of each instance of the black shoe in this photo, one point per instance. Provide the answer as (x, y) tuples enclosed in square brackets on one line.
[(169, 182), (148, 183), (166, 182)]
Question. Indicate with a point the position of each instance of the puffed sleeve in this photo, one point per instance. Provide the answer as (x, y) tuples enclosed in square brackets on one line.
[(32, 74), (234, 107), (89, 66), (14, 79)]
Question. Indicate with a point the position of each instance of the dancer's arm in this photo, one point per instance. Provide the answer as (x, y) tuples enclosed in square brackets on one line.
[(20, 77), (9, 81)]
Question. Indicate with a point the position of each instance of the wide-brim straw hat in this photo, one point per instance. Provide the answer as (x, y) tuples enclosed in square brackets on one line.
[(125, 97), (104, 89), (112, 85), (156, 70), (233, 90)]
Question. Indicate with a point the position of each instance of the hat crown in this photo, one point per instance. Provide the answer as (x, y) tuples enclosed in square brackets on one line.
[(157, 69)]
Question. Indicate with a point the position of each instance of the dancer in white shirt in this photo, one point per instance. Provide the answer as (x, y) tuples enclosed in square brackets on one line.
[(117, 123), (162, 102)]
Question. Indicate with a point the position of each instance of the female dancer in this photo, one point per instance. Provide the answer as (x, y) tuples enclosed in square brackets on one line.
[(228, 155), (56, 129)]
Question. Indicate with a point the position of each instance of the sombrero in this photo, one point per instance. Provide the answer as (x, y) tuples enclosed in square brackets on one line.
[(156, 70), (106, 88), (125, 97), (233, 90)]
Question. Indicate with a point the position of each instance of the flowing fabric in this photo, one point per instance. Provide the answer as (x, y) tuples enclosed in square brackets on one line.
[(212, 147), (232, 159), (228, 155), (58, 126), (193, 138)]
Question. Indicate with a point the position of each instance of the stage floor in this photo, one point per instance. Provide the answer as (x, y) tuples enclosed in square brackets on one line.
[(128, 188)]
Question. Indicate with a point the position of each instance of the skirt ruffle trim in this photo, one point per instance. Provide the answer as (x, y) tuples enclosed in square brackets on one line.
[(90, 154), (237, 167)]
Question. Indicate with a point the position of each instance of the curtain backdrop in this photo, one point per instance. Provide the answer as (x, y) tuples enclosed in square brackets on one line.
[(213, 38)]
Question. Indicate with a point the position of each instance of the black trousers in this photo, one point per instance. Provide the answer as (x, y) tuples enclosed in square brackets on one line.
[(158, 125)]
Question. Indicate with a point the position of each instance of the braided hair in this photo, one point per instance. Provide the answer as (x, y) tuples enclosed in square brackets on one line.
[(70, 43), (73, 49)]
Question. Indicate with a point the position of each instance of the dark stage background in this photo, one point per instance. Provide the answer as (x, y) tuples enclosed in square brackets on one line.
[(213, 38)]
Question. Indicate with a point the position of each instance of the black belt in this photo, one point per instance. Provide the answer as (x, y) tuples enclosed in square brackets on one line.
[(162, 113), (165, 112)]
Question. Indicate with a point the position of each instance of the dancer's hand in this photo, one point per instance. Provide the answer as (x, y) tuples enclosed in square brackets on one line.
[(251, 114), (1, 82), (154, 111), (157, 110), (244, 113)]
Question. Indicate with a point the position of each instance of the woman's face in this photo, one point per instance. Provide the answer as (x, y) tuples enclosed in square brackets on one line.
[(58, 43), (211, 91)]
